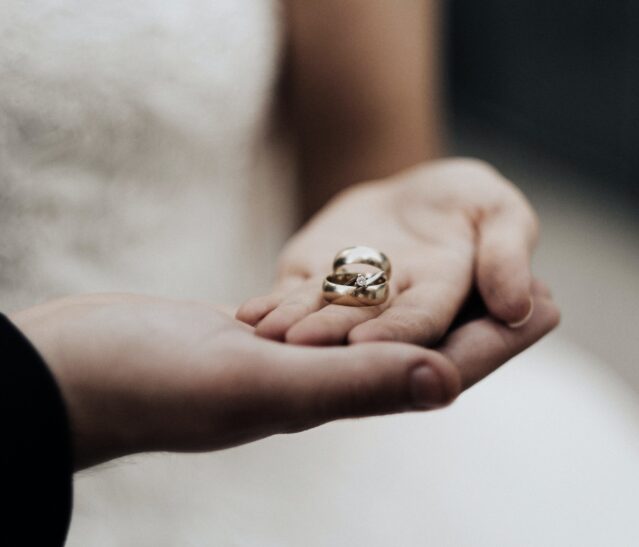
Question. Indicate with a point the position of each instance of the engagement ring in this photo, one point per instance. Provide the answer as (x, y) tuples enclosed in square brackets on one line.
[(360, 278)]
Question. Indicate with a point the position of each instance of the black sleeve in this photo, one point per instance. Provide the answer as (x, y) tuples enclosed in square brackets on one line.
[(36, 471)]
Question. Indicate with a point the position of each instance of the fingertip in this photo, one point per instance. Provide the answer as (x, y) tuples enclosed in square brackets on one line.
[(503, 271), (434, 383), (367, 380), (511, 306), (255, 309), (246, 314), (518, 323)]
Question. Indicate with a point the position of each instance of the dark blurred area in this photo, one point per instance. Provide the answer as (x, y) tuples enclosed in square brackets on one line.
[(548, 92), (564, 76)]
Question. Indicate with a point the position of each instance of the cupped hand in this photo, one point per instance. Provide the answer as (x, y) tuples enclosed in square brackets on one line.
[(141, 374), (445, 226)]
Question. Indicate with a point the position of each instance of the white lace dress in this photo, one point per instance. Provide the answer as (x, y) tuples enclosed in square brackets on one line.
[(138, 153)]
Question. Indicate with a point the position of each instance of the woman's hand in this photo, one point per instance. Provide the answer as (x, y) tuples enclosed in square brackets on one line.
[(140, 373), (444, 226)]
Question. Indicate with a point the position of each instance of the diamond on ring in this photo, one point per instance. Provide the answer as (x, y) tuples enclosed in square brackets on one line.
[(362, 280), (356, 288)]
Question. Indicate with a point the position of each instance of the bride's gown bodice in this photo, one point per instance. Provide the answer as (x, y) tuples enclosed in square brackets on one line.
[(138, 152), (138, 149)]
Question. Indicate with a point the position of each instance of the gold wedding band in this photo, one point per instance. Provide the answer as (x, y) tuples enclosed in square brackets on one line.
[(347, 286), (362, 255)]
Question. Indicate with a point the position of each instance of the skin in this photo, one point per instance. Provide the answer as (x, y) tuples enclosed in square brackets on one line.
[(445, 226), (361, 91), (140, 373), (365, 109)]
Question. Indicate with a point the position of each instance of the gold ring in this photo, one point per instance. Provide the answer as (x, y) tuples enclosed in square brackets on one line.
[(351, 289), (362, 255), (352, 286)]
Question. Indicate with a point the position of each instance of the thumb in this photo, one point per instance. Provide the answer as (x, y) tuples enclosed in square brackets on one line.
[(323, 384)]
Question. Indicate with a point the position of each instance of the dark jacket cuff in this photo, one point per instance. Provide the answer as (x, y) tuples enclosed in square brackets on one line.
[(36, 456)]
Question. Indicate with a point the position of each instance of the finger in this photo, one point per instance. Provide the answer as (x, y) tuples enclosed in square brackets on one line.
[(506, 241), (483, 345), (255, 309), (297, 304), (319, 385), (330, 325), (419, 315)]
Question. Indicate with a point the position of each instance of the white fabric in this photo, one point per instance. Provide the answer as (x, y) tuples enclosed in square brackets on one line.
[(138, 153), (136, 148)]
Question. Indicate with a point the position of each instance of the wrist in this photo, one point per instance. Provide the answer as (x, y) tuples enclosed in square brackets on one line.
[(98, 425)]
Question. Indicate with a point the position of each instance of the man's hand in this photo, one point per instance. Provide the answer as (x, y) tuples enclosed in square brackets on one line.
[(140, 373), (444, 226)]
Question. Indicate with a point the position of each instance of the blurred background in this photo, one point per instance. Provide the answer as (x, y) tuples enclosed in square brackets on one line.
[(549, 93)]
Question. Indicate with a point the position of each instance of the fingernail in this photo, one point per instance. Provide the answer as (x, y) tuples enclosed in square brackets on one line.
[(522, 322), (426, 388)]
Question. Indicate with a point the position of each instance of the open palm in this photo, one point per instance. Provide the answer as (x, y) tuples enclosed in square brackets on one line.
[(444, 226), (139, 373)]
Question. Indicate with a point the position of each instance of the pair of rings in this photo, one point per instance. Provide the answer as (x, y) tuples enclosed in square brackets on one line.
[(360, 278)]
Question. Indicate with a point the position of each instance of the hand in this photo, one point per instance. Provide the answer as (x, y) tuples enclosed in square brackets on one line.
[(444, 226), (140, 373)]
